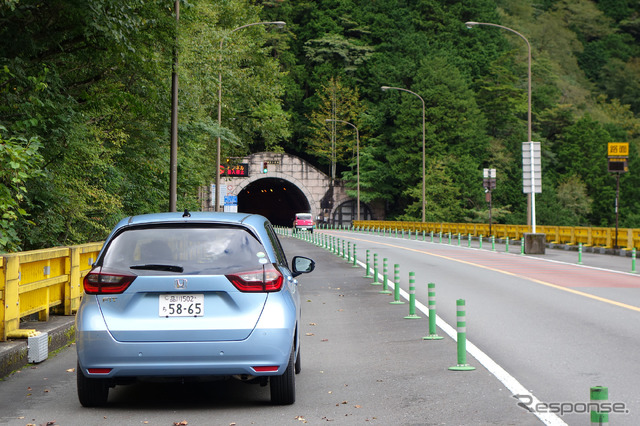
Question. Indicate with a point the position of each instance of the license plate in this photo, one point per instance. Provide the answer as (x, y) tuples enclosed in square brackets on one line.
[(181, 305)]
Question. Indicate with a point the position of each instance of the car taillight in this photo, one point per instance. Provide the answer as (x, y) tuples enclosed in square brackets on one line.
[(98, 282), (267, 279)]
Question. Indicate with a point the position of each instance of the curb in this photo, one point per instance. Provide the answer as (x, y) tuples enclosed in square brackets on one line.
[(14, 353)]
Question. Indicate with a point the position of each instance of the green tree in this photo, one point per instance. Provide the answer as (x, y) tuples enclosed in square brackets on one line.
[(20, 161)]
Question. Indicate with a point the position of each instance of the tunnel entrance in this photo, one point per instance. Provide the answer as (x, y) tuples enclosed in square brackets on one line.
[(276, 199)]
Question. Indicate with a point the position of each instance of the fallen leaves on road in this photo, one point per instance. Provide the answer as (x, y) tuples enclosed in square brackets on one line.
[(182, 423), (71, 370), (301, 419)]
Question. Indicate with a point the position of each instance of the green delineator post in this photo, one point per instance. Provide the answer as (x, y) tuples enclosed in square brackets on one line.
[(432, 314), (633, 260), (462, 338), (396, 288), (385, 289), (599, 394), (579, 253), (368, 271), (375, 270), (355, 262), (412, 297)]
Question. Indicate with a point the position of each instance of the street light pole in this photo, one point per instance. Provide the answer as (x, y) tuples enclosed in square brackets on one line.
[(173, 152), (531, 197), (357, 162), (280, 24), (424, 202)]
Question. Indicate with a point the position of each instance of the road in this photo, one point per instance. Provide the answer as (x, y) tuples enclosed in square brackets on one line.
[(364, 363), (557, 327)]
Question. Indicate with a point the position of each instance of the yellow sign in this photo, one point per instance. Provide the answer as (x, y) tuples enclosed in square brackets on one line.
[(618, 149)]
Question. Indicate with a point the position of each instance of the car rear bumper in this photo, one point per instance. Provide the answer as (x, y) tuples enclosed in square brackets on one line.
[(167, 359), (268, 345)]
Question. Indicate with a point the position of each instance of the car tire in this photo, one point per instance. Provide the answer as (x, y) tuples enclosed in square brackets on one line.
[(91, 392), (298, 365), (283, 388)]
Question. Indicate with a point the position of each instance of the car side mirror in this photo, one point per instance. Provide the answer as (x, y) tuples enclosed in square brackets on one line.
[(302, 265)]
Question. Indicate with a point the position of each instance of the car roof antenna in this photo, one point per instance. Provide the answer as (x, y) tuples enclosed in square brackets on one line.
[(186, 213)]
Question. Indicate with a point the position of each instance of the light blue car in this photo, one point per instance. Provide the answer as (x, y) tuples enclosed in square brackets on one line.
[(190, 296)]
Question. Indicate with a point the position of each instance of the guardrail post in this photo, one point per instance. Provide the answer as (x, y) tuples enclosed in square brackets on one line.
[(598, 395), (412, 297), (10, 312), (396, 284), (462, 338), (432, 314)]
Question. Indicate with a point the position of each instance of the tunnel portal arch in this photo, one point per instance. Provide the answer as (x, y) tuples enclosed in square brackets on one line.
[(289, 184)]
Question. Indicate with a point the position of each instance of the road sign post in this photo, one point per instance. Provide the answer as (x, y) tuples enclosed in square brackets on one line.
[(617, 153), (532, 184)]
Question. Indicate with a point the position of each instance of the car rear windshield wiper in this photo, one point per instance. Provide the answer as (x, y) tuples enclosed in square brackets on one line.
[(156, 267)]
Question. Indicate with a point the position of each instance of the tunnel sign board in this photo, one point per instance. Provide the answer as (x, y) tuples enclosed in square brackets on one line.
[(531, 168)]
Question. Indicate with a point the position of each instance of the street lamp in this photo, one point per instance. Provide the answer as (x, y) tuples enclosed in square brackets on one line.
[(424, 203), (531, 197), (357, 162), (280, 24)]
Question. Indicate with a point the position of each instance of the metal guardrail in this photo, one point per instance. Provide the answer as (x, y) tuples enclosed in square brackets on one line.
[(42, 281), (628, 238)]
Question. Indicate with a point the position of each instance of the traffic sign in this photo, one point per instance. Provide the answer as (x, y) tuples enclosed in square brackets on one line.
[(618, 149), (531, 168)]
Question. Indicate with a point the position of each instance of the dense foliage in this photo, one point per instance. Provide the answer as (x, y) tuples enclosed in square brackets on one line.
[(85, 104)]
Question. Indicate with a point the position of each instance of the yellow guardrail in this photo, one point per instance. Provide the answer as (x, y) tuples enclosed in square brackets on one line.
[(41, 281), (628, 238)]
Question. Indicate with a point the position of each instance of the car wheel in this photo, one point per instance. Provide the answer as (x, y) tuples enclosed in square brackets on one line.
[(283, 388), (91, 392), (298, 367)]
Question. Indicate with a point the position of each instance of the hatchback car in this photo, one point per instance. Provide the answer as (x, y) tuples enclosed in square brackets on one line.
[(303, 222), (190, 296)]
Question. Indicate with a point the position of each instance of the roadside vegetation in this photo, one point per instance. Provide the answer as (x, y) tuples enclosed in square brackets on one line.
[(86, 96)]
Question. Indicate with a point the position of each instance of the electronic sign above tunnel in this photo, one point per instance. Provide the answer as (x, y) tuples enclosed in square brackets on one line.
[(237, 170)]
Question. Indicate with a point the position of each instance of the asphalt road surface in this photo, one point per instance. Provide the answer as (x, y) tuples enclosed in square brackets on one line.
[(364, 363)]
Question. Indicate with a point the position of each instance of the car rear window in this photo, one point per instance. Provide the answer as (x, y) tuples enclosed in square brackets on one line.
[(194, 250), (303, 216)]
